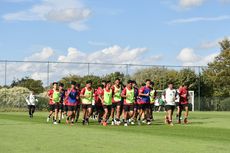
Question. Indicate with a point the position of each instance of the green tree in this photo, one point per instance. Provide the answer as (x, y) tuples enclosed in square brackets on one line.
[(31, 84), (218, 71)]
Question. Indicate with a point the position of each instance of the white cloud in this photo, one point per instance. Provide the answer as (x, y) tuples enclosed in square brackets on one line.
[(71, 12), (211, 44), (190, 3), (199, 19), (44, 54), (189, 57), (113, 54)]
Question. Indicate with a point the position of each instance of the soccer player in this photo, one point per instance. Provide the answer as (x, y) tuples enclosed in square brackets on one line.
[(72, 98), (87, 99), (153, 94), (78, 85), (54, 96), (169, 97), (98, 103), (106, 99), (183, 103), (135, 110), (61, 107), (129, 98), (144, 103), (31, 99), (116, 102)]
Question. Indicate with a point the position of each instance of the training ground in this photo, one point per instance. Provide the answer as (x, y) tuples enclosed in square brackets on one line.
[(209, 132)]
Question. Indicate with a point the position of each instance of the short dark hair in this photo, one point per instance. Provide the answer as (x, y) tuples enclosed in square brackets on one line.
[(118, 79), (73, 82), (89, 81), (103, 81), (55, 83), (129, 81), (147, 80), (61, 84), (152, 83), (107, 82)]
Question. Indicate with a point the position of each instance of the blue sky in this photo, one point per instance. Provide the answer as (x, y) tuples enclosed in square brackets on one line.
[(171, 32)]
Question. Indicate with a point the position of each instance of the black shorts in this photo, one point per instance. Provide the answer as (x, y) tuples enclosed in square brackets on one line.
[(182, 106), (86, 106), (144, 106), (177, 104), (51, 107), (152, 106), (170, 107), (109, 107), (114, 105), (99, 108), (135, 106), (61, 107), (71, 108), (31, 107), (128, 108), (65, 108)]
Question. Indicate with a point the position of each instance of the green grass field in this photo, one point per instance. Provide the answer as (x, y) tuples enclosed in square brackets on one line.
[(209, 132)]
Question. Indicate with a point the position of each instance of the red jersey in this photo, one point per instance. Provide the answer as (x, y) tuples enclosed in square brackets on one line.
[(50, 94), (96, 96), (183, 93), (83, 90)]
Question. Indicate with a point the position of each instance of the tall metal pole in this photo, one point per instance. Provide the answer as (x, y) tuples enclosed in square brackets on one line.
[(48, 75), (5, 79), (127, 69), (199, 94), (5, 72), (88, 68)]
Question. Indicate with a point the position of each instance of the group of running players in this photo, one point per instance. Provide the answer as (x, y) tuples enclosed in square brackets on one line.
[(113, 100)]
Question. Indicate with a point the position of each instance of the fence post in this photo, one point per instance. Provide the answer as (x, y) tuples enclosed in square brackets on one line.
[(127, 69), (48, 75), (5, 79), (199, 88), (88, 68)]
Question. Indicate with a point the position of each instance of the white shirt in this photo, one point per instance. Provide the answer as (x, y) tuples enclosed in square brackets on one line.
[(31, 99), (170, 96)]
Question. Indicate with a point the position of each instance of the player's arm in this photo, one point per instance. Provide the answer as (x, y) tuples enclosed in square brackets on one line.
[(142, 94), (82, 95), (100, 96), (123, 93)]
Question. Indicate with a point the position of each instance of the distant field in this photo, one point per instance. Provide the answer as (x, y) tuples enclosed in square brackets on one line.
[(209, 132)]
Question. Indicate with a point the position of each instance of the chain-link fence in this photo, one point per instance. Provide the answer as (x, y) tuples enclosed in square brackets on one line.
[(48, 71)]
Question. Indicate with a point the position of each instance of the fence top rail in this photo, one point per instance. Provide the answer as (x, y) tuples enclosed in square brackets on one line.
[(97, 63)]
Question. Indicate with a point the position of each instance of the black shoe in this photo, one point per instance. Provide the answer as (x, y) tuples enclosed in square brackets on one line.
[(59, 121), (83, 122)]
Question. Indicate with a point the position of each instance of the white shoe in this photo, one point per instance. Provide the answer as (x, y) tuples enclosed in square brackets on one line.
[(132, 123), (48, 119), (125, 124), (55, 123), (118, 122), (112, 123), (149, 123)]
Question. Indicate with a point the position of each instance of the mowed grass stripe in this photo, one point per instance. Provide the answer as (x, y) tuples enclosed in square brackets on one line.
[(36, 135)]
